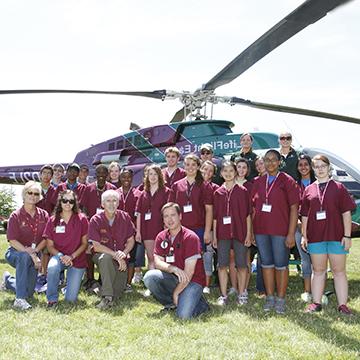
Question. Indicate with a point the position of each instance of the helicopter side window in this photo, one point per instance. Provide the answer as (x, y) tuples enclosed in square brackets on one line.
[(111, 146), (120, 144)]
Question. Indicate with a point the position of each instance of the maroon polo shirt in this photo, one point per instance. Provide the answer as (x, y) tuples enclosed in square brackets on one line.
[(336, 202), (92, 197), (234, 203), (284, 193), (199, 196), (127, 202), (213, 186), (69, 241), (26, 229), (112, 236), (177, 175), (152, 204), (48, 200), (186, 244), (79, 191)]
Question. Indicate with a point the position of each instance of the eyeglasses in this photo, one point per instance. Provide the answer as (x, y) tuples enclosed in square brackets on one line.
[(205, 152), (70, 201), (33, 193), (288, 138), (318, 167)]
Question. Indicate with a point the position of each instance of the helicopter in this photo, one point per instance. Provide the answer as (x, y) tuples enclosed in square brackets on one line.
[(144, 145)]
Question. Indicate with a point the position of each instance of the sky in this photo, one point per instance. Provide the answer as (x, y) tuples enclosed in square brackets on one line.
[(149, 45)]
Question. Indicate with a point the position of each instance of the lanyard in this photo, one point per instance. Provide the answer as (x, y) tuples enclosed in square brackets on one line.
[(189, 190), (321, 198), (151, 198), (124, 198), (228, 198), (34, 228), (267, 189)]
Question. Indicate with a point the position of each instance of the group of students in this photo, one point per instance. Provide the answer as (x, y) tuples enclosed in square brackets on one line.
[(267, 204)]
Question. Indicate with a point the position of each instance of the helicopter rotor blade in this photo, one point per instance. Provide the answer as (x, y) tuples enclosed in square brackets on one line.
[(179, 115), (157, 94), (293, 110), (307, 13)]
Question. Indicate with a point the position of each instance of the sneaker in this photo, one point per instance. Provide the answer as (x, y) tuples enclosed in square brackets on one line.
[(128, 288), (52, 304), (167, 308), (232, 291), (21, 304), (206, 290), (280, 306), (314, 307), (105, 303), (324, 300), (222, 300), (137, 278), (5, 276), (147, 293), (269, 303), (242, 299), (343, 309), (306, 297)]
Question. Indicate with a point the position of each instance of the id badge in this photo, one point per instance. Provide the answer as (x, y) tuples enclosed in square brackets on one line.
[(321, 215), (266, 208), (60, 229), (227, 220), (99, 210), (187, 208), (170, 258), (148, 216)]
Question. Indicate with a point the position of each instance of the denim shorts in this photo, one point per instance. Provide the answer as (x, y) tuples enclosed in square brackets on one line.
[(273, 251), (327, 247)]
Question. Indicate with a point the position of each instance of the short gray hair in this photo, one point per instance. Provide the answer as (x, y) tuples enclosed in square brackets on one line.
[(109, 193), (29, 185)]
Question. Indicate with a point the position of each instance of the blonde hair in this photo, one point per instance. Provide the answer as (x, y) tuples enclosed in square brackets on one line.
[(29, 185)]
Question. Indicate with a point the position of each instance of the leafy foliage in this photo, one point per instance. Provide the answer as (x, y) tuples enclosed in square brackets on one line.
[(7, 202)]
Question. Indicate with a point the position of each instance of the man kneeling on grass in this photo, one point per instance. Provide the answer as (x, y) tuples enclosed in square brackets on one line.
[(179, 277), (111, 234)]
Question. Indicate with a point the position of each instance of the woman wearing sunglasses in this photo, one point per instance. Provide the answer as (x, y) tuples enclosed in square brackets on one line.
[(66, 235), (25, 235), (289, 156)]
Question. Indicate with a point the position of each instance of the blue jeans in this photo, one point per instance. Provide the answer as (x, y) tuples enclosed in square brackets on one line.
[(273, 251), (140, 255), (305, 257), (191, 302), (73, 280), (208, 259), (25, 278)]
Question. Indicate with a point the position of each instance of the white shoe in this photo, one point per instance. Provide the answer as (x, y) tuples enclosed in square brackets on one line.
[(232, 291), (222, 300), (6, 274), (21, 304), (306, 297), (242, 299), (137, 278), (324, 300), (206, 290), (147, 293)]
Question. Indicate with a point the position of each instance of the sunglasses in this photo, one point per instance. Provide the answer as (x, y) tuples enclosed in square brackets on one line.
[(288, 138), (70, 201), (205, 152), (33, 193)]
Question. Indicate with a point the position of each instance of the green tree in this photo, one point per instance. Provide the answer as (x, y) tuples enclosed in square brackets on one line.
[(7, 202)]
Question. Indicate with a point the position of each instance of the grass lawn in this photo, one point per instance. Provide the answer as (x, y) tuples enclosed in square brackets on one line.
[(135, 329)]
